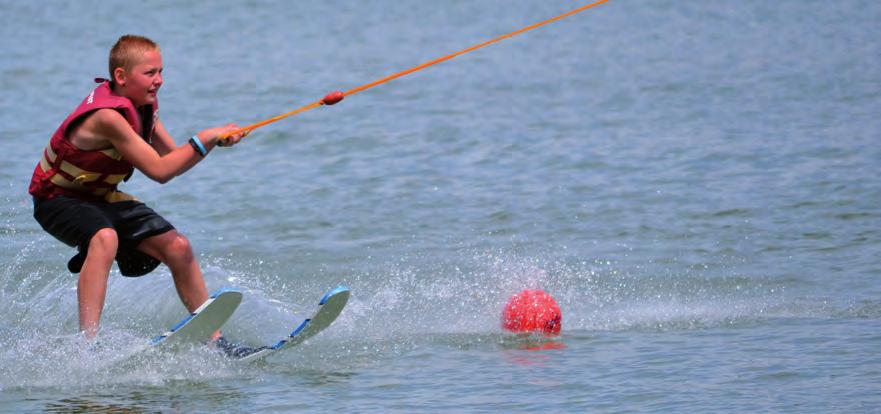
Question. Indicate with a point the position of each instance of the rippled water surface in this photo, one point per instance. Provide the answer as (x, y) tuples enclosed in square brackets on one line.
[(696, 183)]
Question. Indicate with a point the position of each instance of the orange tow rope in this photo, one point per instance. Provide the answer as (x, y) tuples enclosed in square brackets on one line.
[(337, 96)]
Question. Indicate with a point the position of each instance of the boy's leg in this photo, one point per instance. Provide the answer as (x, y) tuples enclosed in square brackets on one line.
[(173, 249), (92, 286)]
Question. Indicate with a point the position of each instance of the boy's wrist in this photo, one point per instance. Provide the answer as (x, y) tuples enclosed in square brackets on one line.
[(197, 145)]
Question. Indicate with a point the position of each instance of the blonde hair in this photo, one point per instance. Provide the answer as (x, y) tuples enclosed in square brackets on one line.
[(128, 50)]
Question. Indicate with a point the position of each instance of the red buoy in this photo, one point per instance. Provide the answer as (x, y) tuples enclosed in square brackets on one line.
[(333, 98), (532, 311)]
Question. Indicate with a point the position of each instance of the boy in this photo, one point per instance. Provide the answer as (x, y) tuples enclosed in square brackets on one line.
[(115, 130)]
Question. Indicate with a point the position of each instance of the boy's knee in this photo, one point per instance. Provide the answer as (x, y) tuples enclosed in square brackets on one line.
[(179, 248), (105, 239)]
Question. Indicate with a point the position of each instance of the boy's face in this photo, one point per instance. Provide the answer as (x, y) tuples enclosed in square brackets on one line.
[(143, 80)]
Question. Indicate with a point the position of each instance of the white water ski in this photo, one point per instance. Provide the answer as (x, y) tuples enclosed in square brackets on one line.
[(197, 327), (329, 308)]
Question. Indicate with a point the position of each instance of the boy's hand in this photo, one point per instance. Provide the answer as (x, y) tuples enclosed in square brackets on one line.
[(218, 135)]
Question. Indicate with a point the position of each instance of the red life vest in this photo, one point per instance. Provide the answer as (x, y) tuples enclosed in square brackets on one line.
[(94, 174)]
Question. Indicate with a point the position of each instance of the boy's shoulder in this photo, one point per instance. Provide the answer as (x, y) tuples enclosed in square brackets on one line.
[(99, 129)]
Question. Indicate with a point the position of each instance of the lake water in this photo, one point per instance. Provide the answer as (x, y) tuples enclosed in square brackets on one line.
[(696, 183)]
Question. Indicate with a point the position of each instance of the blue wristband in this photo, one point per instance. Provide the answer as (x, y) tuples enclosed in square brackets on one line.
[(197, 145)]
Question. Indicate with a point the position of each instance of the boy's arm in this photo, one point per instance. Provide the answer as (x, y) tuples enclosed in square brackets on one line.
[(162, 141), (161, 168)]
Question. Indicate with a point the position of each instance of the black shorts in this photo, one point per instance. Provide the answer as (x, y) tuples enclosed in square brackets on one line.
[(75, 221)]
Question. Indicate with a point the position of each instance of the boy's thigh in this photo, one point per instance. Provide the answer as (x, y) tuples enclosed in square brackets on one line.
[(70, 220), (135, 222)]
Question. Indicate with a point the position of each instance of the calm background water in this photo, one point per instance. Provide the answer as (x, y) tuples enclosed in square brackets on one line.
[(695, 182)]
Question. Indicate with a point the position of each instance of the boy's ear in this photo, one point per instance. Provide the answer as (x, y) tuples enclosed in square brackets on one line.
[(119, 76)]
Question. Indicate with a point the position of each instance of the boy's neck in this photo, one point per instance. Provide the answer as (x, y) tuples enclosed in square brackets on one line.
[(114, 89)]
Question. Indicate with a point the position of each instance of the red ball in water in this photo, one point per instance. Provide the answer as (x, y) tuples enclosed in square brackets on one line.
[(532, 311)]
